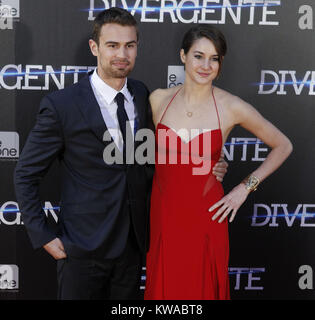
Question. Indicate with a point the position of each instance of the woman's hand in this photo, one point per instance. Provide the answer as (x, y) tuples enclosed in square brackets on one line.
[(230, 203)]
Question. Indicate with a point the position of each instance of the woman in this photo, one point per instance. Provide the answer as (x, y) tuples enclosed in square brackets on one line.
[(189, 246)]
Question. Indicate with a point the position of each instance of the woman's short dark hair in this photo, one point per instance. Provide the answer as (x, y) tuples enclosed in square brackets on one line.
[(206, 31), (113, 15)]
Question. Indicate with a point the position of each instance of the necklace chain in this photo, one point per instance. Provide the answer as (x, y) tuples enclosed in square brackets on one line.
[(189, 114)]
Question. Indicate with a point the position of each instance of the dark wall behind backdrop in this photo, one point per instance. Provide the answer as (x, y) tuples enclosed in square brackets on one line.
[(270, 64)]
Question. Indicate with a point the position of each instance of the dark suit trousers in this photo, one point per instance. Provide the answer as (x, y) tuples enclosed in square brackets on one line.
[(102, 279)]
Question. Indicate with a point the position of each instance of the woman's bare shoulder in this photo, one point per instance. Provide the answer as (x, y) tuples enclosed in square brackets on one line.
[(159, 95), (226, 97), (231, 102), (235, 106), (159, 98)]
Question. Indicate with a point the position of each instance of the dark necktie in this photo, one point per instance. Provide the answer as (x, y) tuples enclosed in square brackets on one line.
[(122, 119)]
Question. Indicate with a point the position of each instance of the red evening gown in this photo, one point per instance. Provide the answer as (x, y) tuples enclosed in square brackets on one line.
[(188, 255)]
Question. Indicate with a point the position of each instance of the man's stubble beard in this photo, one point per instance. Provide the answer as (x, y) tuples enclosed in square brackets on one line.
[(119, 73)]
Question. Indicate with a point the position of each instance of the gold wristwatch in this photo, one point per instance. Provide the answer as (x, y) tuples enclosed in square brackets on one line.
[(251, 183)]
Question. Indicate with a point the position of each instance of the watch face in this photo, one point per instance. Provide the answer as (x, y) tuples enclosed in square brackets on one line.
[(252, 181)]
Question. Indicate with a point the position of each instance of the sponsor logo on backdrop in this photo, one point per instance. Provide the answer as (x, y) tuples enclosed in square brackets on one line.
[(245, 149), (175, 76), (245, 278), (10, 214), (9, 277), (39, 77), (306, 278), (241, 278), (9, 13), (283, 82), (9, 145), (306, 19), (278, 214), (251, 12)]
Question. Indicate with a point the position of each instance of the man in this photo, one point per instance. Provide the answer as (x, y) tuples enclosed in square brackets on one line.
[(104, 207)]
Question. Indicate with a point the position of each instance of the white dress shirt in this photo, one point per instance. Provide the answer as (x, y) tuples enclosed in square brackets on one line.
[(105, 96)]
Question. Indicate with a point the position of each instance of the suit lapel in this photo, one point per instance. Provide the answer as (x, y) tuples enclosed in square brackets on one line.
[(139, 102), (90, 109)]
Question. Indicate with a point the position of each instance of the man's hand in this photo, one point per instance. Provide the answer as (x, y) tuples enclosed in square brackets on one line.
[(220, 168), (55, 249)]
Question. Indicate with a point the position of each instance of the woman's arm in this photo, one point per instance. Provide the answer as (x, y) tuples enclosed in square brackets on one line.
[(249, 118)]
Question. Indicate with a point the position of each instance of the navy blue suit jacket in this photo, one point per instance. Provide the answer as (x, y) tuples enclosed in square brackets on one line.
[(98, 201)]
